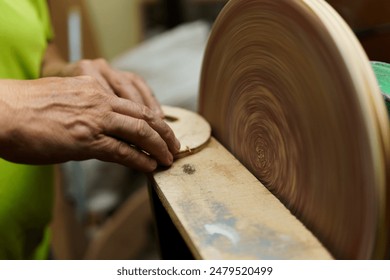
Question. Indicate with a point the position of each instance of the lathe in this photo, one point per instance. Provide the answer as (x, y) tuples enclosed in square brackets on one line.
[(290, 155)]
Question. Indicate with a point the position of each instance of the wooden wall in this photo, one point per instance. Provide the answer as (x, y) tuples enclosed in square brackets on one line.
[(370, 19)]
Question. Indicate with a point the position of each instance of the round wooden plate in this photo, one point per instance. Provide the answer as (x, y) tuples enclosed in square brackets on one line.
[(289, 91), (192, 130)]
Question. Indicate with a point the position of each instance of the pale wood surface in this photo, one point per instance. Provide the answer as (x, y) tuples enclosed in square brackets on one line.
[(224, 212)]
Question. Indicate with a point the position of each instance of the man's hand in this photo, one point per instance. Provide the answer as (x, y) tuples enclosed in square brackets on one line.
[(53, 120), (124, 84)]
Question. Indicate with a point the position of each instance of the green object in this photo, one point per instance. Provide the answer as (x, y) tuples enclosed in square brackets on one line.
[(382, 73), (26, 192), (24, 32), (26, 202)]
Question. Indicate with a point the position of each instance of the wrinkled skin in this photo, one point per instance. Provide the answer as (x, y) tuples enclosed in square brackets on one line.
[(89, 111)]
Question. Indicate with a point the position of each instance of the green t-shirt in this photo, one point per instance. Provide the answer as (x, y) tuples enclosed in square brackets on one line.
[(26, 192)]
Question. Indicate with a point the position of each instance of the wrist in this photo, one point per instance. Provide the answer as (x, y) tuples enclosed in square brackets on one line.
[(8, 116)]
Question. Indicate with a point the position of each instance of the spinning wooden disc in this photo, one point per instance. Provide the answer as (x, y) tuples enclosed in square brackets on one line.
[(289, 91)]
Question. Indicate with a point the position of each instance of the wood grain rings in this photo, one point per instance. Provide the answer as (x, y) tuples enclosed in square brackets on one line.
[(289, 91)]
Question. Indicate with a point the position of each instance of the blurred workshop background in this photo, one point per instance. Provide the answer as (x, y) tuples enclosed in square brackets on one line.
[(102, 210)]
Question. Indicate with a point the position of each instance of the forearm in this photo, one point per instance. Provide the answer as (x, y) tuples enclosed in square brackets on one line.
[(53, 63), (5, 115)]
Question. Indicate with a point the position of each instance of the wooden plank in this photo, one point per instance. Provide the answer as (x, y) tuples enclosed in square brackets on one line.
[(223, 212)]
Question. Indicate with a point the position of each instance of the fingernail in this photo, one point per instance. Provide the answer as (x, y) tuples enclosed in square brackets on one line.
[(177, 144), (170, 159), (154, 165), (151, 167)]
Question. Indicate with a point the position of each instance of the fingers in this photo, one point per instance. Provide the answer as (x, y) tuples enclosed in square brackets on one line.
[(131, 86), (132, 126), (125, 107), (139, 133), (123, 86), (137, 127), (113, 150)]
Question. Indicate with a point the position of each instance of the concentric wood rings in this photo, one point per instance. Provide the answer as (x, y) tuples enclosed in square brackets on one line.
[(289, 91)]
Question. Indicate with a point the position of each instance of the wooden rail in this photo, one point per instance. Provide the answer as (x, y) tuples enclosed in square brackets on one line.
[(220, 210)]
